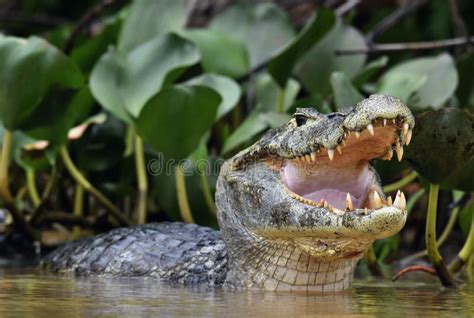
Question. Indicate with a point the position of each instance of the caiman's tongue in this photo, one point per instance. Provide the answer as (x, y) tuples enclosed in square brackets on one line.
[(316, 182)]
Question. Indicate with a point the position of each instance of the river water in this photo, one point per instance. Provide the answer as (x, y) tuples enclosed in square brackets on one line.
[(29, 293)]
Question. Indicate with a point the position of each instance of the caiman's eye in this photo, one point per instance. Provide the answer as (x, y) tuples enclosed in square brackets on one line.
[(300, 119)]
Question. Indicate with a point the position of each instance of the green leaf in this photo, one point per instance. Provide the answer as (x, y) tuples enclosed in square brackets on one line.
[(254, 124), (174, 120), (316, 66), (28, 68), (370, 70), (220, 53), (435, 79), (123, 83), (442, 147), (267, 90), (281, 66), (401, 85), (264, 28), (344, 93), (226, 87), (148, 19)]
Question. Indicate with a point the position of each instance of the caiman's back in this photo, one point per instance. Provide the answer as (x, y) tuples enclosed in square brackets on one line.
[(181, 253)]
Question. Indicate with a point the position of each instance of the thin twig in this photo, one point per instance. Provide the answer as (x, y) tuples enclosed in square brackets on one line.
[(90, 15), (410, 46), (346, 7), (414, 268), (393, 19), (459, 25)]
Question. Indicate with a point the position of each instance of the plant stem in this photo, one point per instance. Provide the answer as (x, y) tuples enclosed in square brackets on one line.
[(141, 180), (183, 202), (207, 192), (400, 183), (79, 178), (5, 194), (78, 208), (443, 237), (372, 262), (466, 251), (430, 238), (280, 101), (32, 190)]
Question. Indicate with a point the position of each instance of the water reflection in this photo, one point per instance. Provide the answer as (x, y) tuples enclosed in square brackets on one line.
[(32, 294)]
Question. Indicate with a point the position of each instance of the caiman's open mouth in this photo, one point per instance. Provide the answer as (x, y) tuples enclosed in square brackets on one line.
[(341, 179)]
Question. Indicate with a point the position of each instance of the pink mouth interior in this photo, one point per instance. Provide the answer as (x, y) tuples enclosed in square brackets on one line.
[(348, 172), (330, 183)]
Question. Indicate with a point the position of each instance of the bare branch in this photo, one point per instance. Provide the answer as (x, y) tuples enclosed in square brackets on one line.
[(410, 46)]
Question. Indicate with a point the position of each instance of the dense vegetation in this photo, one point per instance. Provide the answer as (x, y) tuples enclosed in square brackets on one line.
[(123, 117)]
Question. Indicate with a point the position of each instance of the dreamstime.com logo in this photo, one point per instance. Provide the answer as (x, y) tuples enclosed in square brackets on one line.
[(159, 166)]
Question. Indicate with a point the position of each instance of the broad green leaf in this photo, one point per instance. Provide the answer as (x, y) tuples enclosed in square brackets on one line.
[(250, 127), (316, 66), (401, 85), (53, 121), (442, 147), (435, 79), (281, 66), (369, 70), (226, 87), (149, 18), (344, 93), (263, 27), (123, 83), (28, 68), (220, 53), (174, 120), (267, 90), (254, 124)]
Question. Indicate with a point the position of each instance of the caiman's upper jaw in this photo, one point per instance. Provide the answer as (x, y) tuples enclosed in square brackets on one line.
[(340, 179)]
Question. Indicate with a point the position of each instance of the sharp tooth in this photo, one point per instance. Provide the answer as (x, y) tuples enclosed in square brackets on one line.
[(366, 211), (339, 149), (384, 122), (349, 133), (321, 202), (394, 121), (408, 136), (313, 156), (349, 205), (389, 200), (325, 204), (330, 208), (331, 154), (399, 150), (357, 134), (343, 142), (400, 201), (308, 158), (370, 128), (377, 200), (405, 128)]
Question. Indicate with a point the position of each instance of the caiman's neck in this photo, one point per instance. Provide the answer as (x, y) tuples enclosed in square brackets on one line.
[(281, 265)]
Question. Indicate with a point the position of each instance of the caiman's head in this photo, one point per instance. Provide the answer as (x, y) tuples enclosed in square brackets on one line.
[(309, 186)]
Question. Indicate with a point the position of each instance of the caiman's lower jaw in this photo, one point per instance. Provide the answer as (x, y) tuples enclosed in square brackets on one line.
[(343, 181)]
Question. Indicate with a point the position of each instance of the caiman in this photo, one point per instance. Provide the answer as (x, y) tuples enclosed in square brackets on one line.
[(296, 210)]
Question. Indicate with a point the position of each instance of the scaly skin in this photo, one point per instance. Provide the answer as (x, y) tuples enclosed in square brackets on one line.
[(276, 233)]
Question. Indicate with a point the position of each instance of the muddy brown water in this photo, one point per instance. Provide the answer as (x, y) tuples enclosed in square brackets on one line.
[(30, 293)]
